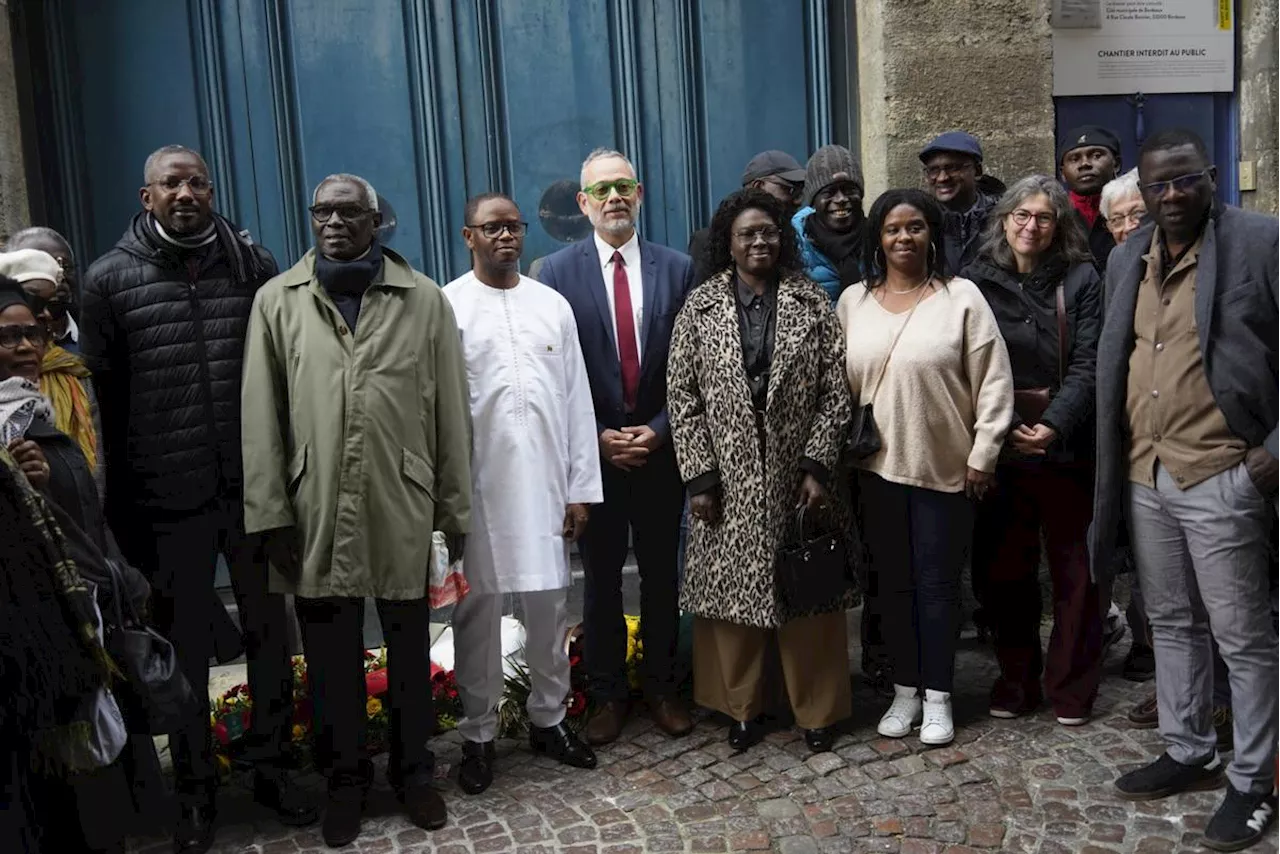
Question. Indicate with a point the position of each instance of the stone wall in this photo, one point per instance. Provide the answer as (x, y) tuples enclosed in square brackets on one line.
[(14, 213), (1258, 93), (926, 66)]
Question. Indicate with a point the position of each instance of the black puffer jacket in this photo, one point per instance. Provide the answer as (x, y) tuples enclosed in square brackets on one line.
[(1026, 311), (163, 334)]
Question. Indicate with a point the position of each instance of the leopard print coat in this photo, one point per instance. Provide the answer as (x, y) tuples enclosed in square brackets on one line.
[(730, 566)]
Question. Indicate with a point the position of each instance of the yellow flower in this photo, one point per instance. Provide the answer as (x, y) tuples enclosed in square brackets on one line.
[(373, 706), (298, 732), (224, 762)]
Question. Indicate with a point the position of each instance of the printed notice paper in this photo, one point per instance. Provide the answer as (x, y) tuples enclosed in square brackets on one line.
[(1148, 46)]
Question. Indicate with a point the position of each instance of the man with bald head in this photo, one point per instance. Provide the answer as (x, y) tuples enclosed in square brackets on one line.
[(162, 329), (356, 450)]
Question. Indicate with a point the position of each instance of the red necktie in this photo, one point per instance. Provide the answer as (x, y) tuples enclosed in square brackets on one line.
[(628, 353)]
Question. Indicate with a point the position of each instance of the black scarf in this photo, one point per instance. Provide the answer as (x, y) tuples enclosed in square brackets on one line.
[(346, 281), (842, 249), (233, 244)]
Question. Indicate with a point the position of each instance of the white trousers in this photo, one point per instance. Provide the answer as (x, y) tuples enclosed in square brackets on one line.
[(477, 647)]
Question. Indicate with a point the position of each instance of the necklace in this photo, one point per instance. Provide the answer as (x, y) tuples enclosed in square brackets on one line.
[(911, 289)]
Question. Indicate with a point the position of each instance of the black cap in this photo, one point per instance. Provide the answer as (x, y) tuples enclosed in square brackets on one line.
[(773, 162), (1086, 135)]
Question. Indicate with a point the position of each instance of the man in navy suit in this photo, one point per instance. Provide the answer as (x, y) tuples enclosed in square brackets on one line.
[(625, 293)]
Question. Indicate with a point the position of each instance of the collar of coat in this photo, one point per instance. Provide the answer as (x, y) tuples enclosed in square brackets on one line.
[(794, 286), (396, 272)]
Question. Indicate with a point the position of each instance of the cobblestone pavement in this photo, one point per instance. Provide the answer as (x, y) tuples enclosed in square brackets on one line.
[(1026, 785)]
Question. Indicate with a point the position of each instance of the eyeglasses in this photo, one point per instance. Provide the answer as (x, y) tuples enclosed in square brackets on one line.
[(1183, 183), (794, 190), (493, 230), (346, 213), (172, 183), (770, 234), (1132, 218), (12, 335), (601, 190), (935, 172), (1022, 217)]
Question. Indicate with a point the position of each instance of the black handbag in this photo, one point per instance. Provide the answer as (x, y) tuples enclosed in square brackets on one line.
[(864, 435), (154, 695), (811, 568)]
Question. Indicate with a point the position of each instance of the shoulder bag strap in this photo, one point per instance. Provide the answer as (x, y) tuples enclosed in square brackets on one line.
[(1062, 334), (885, 364)]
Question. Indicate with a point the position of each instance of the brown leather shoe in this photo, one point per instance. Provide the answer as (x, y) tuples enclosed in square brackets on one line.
[(671, 716), (606, 722), (1145, 715)]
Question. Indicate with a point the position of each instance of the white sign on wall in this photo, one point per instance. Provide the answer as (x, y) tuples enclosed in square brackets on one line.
[(1148, 46)]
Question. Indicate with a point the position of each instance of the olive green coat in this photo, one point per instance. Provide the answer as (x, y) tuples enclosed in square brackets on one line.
[(362, 442)]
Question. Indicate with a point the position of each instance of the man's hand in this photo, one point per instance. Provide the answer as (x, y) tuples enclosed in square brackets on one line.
[(30, 459), (976, 483), (812, 493), (283, 548), (575, 521), (706, 506), (1263, 470), (620, 449), (1032, 441)]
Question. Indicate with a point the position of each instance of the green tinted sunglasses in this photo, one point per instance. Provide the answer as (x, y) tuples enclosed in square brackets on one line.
[(601, 190)]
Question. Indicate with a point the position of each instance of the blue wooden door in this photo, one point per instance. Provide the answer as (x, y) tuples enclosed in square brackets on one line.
[(432, 101), (1134, 118)]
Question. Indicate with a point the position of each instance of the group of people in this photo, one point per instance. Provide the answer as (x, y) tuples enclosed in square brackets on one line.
[(939, 381)]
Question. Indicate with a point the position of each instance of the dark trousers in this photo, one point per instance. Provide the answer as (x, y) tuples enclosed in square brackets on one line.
[(333, 635), (179, 555), (917, 543), (1057, 499), (647, 502)]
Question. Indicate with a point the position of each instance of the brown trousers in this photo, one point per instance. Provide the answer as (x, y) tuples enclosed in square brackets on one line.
[(729, 669)]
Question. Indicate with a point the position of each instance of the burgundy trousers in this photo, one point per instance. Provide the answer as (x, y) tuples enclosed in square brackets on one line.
[(1057, 499)]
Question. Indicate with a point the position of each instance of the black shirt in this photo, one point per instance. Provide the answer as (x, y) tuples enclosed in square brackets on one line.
[(757, 316)]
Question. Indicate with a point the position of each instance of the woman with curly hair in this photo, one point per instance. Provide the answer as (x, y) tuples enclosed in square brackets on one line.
[(925, 360), (759, 408)]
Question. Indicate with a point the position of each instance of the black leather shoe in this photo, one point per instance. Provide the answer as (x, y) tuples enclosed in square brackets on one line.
[(819, 740), (424, 806), (561, 743), (475, 773), (193, 834), (342, 815), (745, 734), (276, 790)]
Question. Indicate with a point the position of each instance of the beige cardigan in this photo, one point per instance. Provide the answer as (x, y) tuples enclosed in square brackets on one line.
[(946, 400)]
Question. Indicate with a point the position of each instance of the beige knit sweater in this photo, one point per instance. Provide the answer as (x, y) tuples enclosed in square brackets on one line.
[(946, 400)]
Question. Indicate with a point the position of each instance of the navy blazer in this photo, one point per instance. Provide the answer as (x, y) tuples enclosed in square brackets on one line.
[(575, 272)]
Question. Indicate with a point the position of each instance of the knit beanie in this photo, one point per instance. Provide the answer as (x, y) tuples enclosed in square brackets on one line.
[(824, 164)]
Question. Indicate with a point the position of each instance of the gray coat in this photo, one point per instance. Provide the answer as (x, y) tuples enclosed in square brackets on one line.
[(1236, 308)]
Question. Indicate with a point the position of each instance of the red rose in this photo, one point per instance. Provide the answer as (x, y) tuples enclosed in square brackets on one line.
[(376, 682), (220, 733)]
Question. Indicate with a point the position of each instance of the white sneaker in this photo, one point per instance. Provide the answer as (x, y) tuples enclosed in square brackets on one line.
[(936, 728), (903, 714), (1072, 721)]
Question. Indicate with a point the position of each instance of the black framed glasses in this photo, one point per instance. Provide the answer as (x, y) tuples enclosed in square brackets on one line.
[(1183, 183), (198, 184), (936, 171), (493, 230), (346, 213), (1042, 220), (13, 334)]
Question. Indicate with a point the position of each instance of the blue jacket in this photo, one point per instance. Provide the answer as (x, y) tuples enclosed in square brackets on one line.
[(668, 276), (817, 266)]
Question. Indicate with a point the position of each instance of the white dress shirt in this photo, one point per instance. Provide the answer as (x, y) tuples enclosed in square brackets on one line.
[(631, 259)]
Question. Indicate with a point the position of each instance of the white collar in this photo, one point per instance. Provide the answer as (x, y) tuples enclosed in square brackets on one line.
[(630, 250)]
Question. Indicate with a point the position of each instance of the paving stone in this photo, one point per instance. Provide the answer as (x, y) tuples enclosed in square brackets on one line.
[(797, 845)]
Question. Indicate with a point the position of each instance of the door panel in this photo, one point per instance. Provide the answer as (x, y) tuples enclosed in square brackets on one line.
[(1209, 115), (433, 101)]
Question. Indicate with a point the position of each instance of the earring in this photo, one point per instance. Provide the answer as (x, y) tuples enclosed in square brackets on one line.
[(933, 255)]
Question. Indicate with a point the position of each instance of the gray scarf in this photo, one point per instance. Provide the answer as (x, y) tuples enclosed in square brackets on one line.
[(21, 403)]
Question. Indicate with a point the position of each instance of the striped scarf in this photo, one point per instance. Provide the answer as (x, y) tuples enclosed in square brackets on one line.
[(62, 376)]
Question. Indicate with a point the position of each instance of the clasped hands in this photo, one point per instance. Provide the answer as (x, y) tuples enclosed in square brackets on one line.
[(705, 506), (629, 448)]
